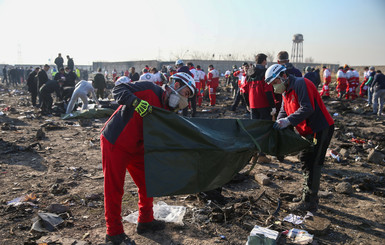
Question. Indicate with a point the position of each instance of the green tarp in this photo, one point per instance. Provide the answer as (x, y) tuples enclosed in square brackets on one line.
[(190, 155), (91, 113)]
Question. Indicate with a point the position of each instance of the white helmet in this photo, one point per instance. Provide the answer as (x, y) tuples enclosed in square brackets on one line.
[(122, 79), (186, 79), (179, 62), (273, 72)]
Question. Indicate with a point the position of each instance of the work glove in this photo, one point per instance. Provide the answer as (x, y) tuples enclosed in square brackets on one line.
[(273, 111), (281, 123), (142, 107)]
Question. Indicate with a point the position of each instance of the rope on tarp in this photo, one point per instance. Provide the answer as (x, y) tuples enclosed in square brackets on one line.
[(254, 141)]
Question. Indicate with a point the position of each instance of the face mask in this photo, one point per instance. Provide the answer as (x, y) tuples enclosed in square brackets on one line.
[(279, 88), (176, 101)]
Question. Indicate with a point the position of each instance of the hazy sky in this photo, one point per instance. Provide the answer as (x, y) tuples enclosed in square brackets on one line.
[(335, 31)]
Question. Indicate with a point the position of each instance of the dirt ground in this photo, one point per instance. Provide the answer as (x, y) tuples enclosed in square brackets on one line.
[(59, 162)]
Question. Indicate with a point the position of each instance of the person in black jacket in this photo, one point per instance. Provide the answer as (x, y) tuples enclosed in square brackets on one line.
[(68, 85), (32, 85), (45, 95), (42, 75), (99, 82), (317, 77), (60, 76), (134, 76), (309, 74), (13, 76), (70, 63), (5, 76), (70, 78), (59, 61)]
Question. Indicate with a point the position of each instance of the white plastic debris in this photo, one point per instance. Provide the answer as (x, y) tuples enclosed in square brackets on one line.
[(257, 230), (294, 219), (162, 211), (300, 236)]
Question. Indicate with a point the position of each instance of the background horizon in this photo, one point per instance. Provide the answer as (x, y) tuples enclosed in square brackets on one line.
[(336, 32)]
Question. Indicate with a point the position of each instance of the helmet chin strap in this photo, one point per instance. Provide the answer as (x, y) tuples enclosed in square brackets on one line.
[(179, 89)]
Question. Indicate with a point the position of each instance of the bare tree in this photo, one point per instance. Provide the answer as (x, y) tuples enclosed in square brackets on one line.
[(197, 55), (248, 57), (179, 54), (270, 56)]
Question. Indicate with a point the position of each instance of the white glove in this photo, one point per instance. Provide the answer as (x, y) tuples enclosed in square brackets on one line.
[(281, 123), (273, 111)]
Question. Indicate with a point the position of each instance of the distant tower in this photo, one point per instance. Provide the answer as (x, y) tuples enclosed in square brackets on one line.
[(297, 49)]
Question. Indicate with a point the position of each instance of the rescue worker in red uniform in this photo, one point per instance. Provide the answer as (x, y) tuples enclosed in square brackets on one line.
[(122, 147), (242, 87), (355, 83), (364, 87), (212, 83), (349, 82), (200, 85), (261, 98), (303, 108), (341, 82), (327, 79)]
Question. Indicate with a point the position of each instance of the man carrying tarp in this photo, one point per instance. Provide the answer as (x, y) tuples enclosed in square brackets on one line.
[(303, 108), (122, 147)]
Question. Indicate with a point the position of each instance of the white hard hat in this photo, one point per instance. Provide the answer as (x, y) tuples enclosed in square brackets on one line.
[(122, 79), (273, 72), (186, 79), (179, 62)]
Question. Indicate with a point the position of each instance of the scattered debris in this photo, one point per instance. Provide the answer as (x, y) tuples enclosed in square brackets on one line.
[(29, 199), (261, 235), (344, 188), (162, 211), (298, 236), (376, 157), (46, 222)]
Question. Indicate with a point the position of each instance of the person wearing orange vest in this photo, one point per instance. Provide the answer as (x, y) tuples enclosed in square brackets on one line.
[(212, 83), (327, 79)]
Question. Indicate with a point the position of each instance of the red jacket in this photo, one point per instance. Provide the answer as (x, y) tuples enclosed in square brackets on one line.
[(257, 94), (243, 84), (213, 78), (304, 108), (125, 127)]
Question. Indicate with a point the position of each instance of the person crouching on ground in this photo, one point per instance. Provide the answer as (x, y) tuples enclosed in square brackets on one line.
[(82, 89), (122, 147), (303, 108)]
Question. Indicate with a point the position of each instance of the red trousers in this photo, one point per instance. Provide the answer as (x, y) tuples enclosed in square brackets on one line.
[(341, 89), (199, 94), (351, 91), (212, 93), (363, 88), (325, 89), (115, 163)]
